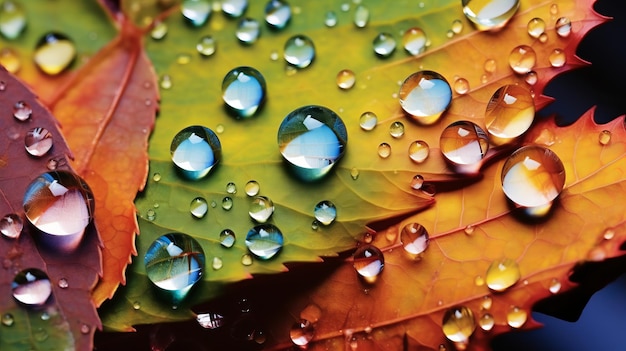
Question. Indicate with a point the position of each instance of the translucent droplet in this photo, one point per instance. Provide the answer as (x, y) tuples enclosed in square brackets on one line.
[(425, 95), (417, 182), (151, 215), (502, 274), (368, 120), (31, 287), (414, 41), (227, 238), (384, 44), (604, 138), (522, 59), (243, 91), (315, 225), (486, 302), (7, 319), (85, 329), (248, 30), (195, 151), (325, 212), (457, 26), (536, 27), (38, 141), (234, 8), (384, 150), (396, 129), (361, 16), (22, 111), (196, 12), (331, 19), (63, 283), (557, 58), (156, 177), (227, 203), (516, 317), (61, 204), (414, 238), (217, 263), (210, 320), (174, 263), (264, 241), (136, 305), (509, 114), (159, 31), (345, 79), (532, 177), (246, 259), (11, 226), (277, 14), (368, 261), (261, 209), (166, 82), (54, 53), (10, 59), (299, 51), (12, 19), (555, 286), (302, 332), (312, 139), (40, 334), (199, 207), (458, 324), (449, 33), (563, 27), (489, 14), (469, 229), (554, 9), (231, 188), (531, 77), (461, 86), (354, 173), (419, 151), (490, 65), (206, 46), (464, 144), (543, 38), (486, 322), (252, 188), (479, 280)]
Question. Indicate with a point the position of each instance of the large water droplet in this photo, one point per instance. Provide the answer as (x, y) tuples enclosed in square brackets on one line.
[(368, 261), (312, 139), (536, 27), (264, 241), (522, 59), (361, 16), (196, 12), (458, 325), (38, 141), (11, 226), (302, 332), (486, 322), (532, 177), (31, 287), (12, 19), (384, 150), (54, 53), (252, 188), (345, 79), (331, 19), (261, 209), (425, 95), (234, 8), (396, 129), (277, 14), (414, 238), (199, 207), (210, 320), (227, 238), (557, 58), (489, 14), (516, 317), (299, 51), (464, 143), (206, 46), (22, 111), (325, 212), (563, 27), (248, 31), (195, 151), (502, 274), (414, 41), (509, 113), (419, 151), (384, 45), (243, 91), (174, 263), (7, 319), (604, 137), (10, 59), (368, 120)]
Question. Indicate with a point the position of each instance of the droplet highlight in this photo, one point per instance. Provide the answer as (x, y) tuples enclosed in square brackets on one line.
[(38, 141), (536, 27), (604, 138), (252, 188), (195, 150), (516, 317), (384, 45), (302, 332), (264, 241), (31, 287), (227, 203), (384, 150), (463, 143), (22, 111), (11, 226), (502, 274), (522, 59), (299, 51), (414, 41), (54, 53), (8, 320), (243, 91), (509, 114), (489, 14), (261, 209), (458, 325), (414, 238), (461, 86), (425, 95), (325, 212), (12, 19), (396, 129), (227, 238), (234, 8), (368, 120), (368, 261), (345, 79), (206, 46), (486, 322), (277, 14), (361, 16), (10, 59), (210, 320), (196, 12), (557, 58), (248, 31), (563, 27)]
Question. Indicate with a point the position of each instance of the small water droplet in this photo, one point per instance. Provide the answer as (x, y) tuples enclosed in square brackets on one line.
[(11, 226), (40, 334), (536, 27), (419, 151), (464, 143), (54, 52), (315, 225), (457, 26), (174, 263), (159, 31), (248, 31), (10, 59), (345, 79), (486, 322), (195, 151), (196, 12), (264, 241), (345, 7), (414, 238), (490, 65), (206, 46), (246, 260), (384, 45), (368, 120), (414, 41), (199, 207), (555, 286), (277, 14), (234, 8), (183, 59), (449, 33), (231, 188), (311, 312), (227, 238), (22, 111), (563, 27), (331, 19), (531, 78), (458, 325), (516, 317), (384, 150), (522, 59), (243, 91), (554, 9), (217, 263), (490, 14), (213, 204), (38, 141), (151, 215), (557, 58), (325, 212), (361, 16), (299, 51), (3, 85), (509, 114), (227, 203), (368, 261), (604, 138), (63, 283), (479, 280), (469, 229), (543, 38), (12, 19), (210, 320), (396, 129), (136, 305), (252, 188), (7, 320), (425, 95), (302, 332), (85, 329), (502, 274), (354, 173), (31, 287), (461, 86), (417, 182), (486, 302), (45, 316), (156, 177), (261, 209), (166, 82)]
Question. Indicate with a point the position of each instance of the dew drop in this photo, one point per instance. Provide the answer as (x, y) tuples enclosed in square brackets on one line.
[(543, 38), (210, 320), (312, 139), (490, 66), (449, 33), (156, 177), (136, 305), (243, 91), (195, 151), (361, 16), (261, 209), (299, 51), (38, 141), (557, 58), (384, 45), (227, 203), (555, 286), (231, 188), (509, 114), (531, 77), (604, 138), (151, 215), (325, 212), (7, 320), (425, 95), (3, 85), (302, 332), (311, 312), (458, 324), (22, 111), (414, 238), (516, 317), (414, 41), (246, 260), (166, 82), (396, 129), (252, 188), (368, 238), (368, 120), (464, 143), (419, 151), (345, 7), (536, 27), (11, 226), (217, 263), (84, 329), (490, 14), (277, 14), (522, 59), (457, 26), (315, 225), (174, 263), (486, 302), (54, 52), (331, 19), (12, 19), (502, 274), (234, 8), (196, 12), (417, 182), (486, 322), (345, 79), (31, 287), (554, 9), (461, 86), (354, 173), (384, 150), (248, 31), (63, 283), (206, 46), (563, 27), (368, 261), (40, 334), (469, 229), (159, 31), (10, 59), (183, 59), (608, 234), (199, 207), (227, 238), (264, 241)]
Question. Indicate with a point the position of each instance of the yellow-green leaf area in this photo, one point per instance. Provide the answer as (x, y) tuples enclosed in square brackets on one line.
[(41, 330)]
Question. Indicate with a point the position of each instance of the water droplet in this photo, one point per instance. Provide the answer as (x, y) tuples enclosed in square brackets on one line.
[(536, 27), (608, 234), (509, 114), (261, 209), (368, 262), (449, 33), (604, 138), (40, 334), (464, 144), (264, 241), (199, 207), (196, 12), (312, 139), (414, 41), (12, 19), (183, 59), (85, 329), (38, 141), (563, 27), (557, 58), (516, 317), (458, 325), (227, 238), (63, 283), (217, 263), (522, 59), (151, 215), (461, 86), (414, 238), (502, 274), (166, 82), (532, 177), (22, 111), (11, 226), (195, 151), (490, 65), (331, 19), (231, 188), (54, 53), (486, 303), (10, 59), (246, 260), (554, 9), (486, 322), (543, 38), (234, 8), (384, 150), (345, 79), (396, 129), (345, 7), (311, 312), (7, 320), (531, 77), (325, 212), (299, 51), (354, 173), (174, 263), (156, 177), (210, 320), (243, 91), (252, 188), (31, 287), (248, 31), (417, 182), (490, 14), (555, 286), (425, 95), (277, 14), (227, 203), (302, 332), (136, 305), (419, 151), (457, 26), (206, 46), (384, 45), (469, 229), (159, 31), (368, 120), (361, 16)]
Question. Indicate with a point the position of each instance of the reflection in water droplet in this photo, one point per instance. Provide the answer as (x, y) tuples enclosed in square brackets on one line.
[(199, 207), (10, 59), (159, 31), (509, 114), (396, 129), (312, 139), (206, 46), (414, 238), (604, 138), (464, 143), (502, 274), (522, 59), (227, 203), (195, 151), (458, 324), (196, 12), (457, 26), (11, 226), (563, 27), (252, 188), (536, 27), (417, 182), (299, 51), (414, 41), (331, 19), (22, 111), (489, 14), (227, 238), (248, 31), (217, 263), (31, 287), (277, 14), (425, 95), (557, 58), (210, 320), (490, 66), (261, 209), (325, 212), (419, 151), (243, 91), (486, 322), (461, 86), (54, 52), (234, 8), (384, 44), (368, 261), (246, 260), (302, 332), (368, 120), (354, 173), (7, 320), (516, 317), (345, 79), (384, 150), (264, 241), (174, 263), (38, 141), (12, 19), (361, 16)]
